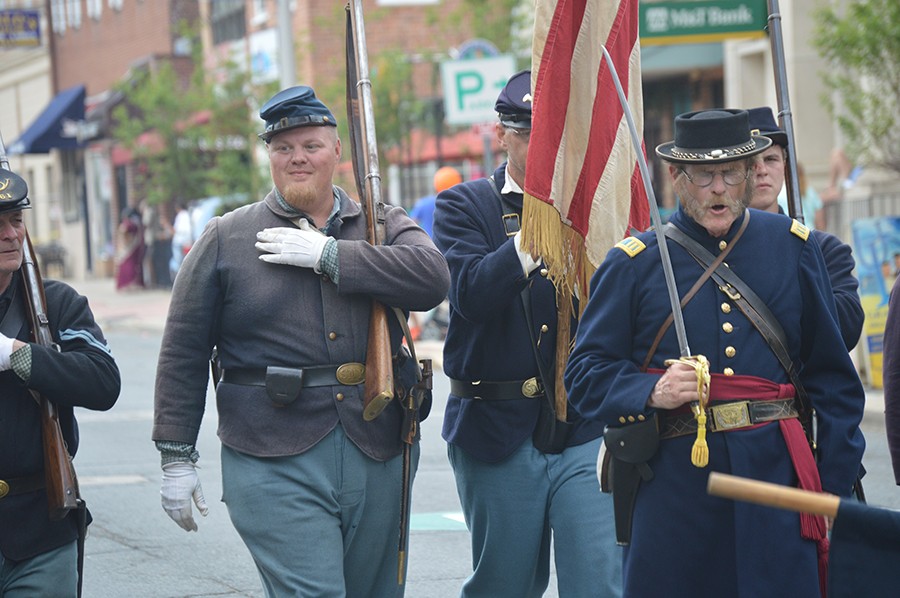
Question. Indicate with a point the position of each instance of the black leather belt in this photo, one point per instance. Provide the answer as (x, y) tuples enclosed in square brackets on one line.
[(732, 415), (14, 486), (347, 374), (497, 391)]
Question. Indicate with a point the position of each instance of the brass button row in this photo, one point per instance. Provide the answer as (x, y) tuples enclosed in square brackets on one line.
[(631, 419)]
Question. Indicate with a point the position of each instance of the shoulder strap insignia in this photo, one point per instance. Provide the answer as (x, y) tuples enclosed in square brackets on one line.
[(631, 245), (800, 230)]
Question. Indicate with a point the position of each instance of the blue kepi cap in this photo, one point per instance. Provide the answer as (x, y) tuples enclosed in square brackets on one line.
[(513, 106), (294, 107), (13, 192)]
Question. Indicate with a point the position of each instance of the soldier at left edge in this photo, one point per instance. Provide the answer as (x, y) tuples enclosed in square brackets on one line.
[(39, 553)]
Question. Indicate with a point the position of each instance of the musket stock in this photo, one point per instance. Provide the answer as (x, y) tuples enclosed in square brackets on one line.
[(379, 386)]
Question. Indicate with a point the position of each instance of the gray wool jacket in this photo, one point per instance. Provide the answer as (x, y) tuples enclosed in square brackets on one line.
[(259, 314)]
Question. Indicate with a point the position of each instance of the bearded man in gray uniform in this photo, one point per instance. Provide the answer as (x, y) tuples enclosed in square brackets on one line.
[(282, 289)]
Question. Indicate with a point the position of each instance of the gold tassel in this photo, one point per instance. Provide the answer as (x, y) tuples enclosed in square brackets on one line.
[(700, 450)]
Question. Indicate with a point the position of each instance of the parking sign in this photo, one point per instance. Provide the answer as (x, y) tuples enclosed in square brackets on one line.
[(471, 87)]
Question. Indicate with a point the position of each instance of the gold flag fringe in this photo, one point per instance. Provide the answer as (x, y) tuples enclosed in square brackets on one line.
[(563, 252)]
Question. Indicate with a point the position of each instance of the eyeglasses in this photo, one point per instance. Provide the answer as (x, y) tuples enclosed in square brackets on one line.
[(705, 178), (526, 133)]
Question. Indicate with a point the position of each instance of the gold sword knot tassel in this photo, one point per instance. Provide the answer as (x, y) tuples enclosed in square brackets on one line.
[(700, 451)]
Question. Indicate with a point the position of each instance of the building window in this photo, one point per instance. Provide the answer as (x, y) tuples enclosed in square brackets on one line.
[(74, 13), (228, 21), (94, 9), (58, 14), (115, 4)]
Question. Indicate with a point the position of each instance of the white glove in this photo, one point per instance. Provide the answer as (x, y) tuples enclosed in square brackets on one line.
[(6, 350), (180, 485), (525, 258), (301, 247)]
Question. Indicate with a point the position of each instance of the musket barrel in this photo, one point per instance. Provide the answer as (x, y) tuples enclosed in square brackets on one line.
[(785, 118)]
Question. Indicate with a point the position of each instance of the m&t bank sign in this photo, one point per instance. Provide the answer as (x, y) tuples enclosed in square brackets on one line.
[(471, 88), (682, 22)]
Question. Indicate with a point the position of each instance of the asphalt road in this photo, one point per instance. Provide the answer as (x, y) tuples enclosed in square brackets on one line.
[(134, 550)]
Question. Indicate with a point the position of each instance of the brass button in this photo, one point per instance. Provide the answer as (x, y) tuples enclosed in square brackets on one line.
[(727, 327), (641, 418), (722, 245), (730, 352), (545, 272), (728, 372), (4, 488), (332, 335), (726, 308), (339, 396), (622, 420), (631, 418), (544, 328)]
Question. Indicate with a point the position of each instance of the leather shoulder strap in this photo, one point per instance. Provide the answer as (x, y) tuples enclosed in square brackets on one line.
[(750, 304)]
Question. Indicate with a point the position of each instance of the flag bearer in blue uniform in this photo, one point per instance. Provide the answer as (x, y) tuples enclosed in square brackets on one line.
[(683, 541), (521, 479)]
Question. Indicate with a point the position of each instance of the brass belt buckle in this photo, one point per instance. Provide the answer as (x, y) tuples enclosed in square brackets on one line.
[(531, 388), (351, 374), (4, 488), (729, 416)]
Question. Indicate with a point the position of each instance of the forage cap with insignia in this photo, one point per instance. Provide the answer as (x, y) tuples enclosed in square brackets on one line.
[(513, 106), (13, 192)]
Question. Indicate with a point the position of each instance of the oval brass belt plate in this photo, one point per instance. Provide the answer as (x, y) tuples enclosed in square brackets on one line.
[(531, 388), (351, 374), (4, 488)]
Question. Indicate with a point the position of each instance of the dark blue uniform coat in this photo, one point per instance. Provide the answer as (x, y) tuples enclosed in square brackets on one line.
[(685, 542), (488, 336), (82, 374)]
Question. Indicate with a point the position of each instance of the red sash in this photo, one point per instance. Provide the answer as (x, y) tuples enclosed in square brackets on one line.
[(728, 388)]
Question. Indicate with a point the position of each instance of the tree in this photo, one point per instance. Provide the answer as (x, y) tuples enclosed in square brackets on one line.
[(860, 40), (191, 137)]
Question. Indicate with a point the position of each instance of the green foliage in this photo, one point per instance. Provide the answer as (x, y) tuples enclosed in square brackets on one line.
[(861, 44), (190, 139)]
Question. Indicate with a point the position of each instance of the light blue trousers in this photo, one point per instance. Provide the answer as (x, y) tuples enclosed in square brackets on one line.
[(513, 507), (322, 524), (52, 574)]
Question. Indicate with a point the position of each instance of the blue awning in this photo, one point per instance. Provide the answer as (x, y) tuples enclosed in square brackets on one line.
[(47, 130)]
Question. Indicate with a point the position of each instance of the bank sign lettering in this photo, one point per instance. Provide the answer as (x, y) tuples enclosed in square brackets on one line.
[(471, 88), (665, 23)]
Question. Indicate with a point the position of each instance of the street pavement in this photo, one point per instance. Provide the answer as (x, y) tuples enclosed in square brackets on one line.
[(134, 550)]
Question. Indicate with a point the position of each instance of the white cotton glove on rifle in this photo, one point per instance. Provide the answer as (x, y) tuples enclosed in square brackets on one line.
[(300, 247), (525, 258), (180, 486), (6, 351)]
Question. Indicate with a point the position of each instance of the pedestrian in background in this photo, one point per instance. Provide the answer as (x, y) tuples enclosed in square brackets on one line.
[(38, 556), (768, 180), (130, 251), (423, 211), (282, 289), (523, 477), (627, 370)]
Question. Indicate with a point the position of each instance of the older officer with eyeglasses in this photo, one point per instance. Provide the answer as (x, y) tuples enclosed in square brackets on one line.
[(766, 280)]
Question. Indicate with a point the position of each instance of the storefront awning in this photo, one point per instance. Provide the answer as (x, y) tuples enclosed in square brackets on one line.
[(48, 131)]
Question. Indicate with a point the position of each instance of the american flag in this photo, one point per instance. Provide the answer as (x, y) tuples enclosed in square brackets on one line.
[(583, 188)]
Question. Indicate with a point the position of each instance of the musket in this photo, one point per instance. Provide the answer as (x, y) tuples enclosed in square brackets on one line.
[(59, 473), (785, 118), (379, 386)]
